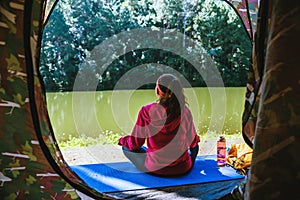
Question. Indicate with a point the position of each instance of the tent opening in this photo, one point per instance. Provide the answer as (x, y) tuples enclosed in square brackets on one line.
[(100, 59)]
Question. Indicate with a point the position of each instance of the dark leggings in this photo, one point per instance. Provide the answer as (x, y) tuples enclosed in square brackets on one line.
[(138, 156)]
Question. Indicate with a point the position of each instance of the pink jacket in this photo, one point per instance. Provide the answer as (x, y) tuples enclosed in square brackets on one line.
[(168, 140)]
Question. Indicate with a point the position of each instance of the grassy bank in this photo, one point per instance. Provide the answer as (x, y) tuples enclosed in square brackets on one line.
[(111, 138)]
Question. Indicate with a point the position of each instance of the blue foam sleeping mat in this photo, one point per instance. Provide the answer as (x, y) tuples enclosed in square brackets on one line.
[(123, 176)]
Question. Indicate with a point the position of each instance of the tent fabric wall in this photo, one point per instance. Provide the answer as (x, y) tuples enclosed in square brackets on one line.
[(26, 169), (275, 170), (31, 162), (247, 10), (32, 166)]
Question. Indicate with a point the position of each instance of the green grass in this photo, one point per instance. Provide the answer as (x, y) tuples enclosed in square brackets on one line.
[(110, 137), (106, 137), (211, 135)]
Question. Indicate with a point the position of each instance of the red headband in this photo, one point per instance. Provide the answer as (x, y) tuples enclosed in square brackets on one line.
[(160, 92)]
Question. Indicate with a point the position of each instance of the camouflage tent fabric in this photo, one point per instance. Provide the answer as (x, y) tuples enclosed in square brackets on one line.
[(31, 162), (247, 10), (276, 164), (32, 166)]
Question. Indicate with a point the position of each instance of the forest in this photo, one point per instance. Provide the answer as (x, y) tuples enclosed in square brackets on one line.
[(76, 27)]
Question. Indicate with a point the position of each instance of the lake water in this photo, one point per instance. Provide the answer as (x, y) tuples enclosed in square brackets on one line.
[(91, 113)]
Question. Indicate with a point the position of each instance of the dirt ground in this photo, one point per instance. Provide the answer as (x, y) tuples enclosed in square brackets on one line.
[(113, 153)]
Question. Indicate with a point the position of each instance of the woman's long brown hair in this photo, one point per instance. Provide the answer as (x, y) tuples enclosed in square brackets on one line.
[(171, 94)]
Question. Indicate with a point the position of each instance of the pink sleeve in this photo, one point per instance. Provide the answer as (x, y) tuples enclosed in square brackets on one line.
[(138, 134)]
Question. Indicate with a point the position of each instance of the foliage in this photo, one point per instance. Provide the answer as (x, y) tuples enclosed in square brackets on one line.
[(60, 55), (111, 138), (106, 137), (76, 27)]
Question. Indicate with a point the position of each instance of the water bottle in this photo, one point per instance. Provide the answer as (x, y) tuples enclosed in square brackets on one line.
[(221, 151)]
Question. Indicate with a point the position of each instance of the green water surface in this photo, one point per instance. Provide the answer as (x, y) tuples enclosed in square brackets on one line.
[(78, 114)]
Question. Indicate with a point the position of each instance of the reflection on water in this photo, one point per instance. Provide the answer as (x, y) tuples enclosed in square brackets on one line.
[(91, 113)]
